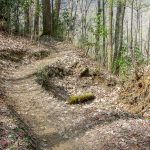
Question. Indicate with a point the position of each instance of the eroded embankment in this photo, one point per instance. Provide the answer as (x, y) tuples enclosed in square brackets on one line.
[(135, 95)]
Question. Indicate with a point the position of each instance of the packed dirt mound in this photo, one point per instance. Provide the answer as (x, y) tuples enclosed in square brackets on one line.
[(71, 80), (135, 94), (84, 69)]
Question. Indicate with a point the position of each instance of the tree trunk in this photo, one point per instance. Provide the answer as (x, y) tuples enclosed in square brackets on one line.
[(46, 17), (16, 18), (148, 44), (97, 45), (36, 20), (131, 42), (121, 5), (56, 15), (27, 20), (57, 9), (110, 41), (104, 39)]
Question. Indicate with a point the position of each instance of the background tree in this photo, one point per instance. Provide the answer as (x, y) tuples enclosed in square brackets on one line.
[(47, 24), (110, 43), (121, 5)]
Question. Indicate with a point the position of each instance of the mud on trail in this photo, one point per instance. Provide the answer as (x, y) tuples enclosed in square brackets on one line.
[(98, 124)]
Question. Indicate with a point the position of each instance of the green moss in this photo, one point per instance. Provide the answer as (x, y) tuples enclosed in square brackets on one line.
[(81, 98)]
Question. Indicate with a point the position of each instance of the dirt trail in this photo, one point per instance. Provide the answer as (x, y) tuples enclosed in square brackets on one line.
[(99, 125)]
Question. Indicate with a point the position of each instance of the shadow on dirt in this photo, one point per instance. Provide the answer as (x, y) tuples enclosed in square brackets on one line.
[(86, 124), (46, 78), (58, 91)]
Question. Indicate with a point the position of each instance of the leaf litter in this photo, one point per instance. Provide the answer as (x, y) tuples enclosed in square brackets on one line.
[(100, 124)]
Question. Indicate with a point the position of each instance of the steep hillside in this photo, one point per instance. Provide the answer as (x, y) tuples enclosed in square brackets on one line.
[(38, 88)]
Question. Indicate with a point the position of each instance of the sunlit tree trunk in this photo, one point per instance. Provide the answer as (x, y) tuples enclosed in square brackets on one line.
[(104, 39), (57, 8), (97, 45), (131, 38), (141, 32), (121, 5), (110, 40), (148, 44), (56, 15)]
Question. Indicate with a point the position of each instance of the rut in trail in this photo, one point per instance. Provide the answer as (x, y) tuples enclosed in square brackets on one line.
[(99, 125)]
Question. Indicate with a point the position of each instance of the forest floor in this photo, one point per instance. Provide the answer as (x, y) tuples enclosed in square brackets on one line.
[(55, 125)]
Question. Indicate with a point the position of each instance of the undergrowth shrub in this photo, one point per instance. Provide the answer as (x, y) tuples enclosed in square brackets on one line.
[(40, 54), (42, 77), (48, 73)]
